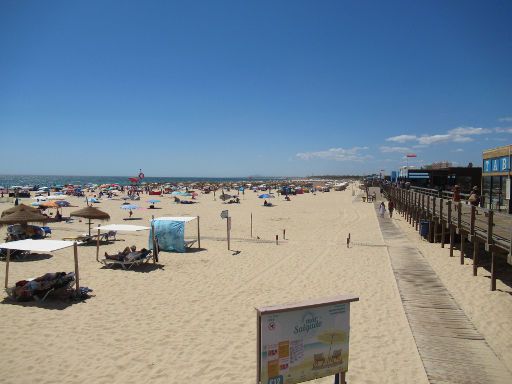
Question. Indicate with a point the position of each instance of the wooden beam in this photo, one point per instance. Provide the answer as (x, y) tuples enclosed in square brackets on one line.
[(452, 239), (475, 256), (441, 204), (198, 233), (77, 275), (462, 240), (490, 224), (493, 270), (7, 260), (98, 246)]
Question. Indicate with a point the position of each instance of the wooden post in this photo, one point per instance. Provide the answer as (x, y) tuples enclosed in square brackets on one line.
[(475, 256), (284, 234), (198, 233), (153, 238), (472, 223), (277, 239), (441, 203), (228, 222), (493, 270), (462, 240), (418, 212), (98, 246), (7, 260), (459, 216), (452, 239), (449, 218), (77, 275), (490, 223), (339, 378), (443, 224), (422, 204), (251, 225), (348, 241)]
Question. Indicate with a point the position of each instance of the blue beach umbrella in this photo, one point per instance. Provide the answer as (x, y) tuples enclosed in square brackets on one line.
[(93, 200), (153, 201), (62, 203), (180, 193), (129, 206), (266, 196)]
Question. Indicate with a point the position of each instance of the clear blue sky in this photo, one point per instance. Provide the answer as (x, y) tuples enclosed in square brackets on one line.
[(237, 88)]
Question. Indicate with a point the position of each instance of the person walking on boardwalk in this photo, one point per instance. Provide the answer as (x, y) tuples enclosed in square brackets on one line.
[(391, 207), (382, 209), (474, 197)]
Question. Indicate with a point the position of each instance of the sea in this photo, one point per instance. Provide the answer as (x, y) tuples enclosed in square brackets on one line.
[(52, 180)]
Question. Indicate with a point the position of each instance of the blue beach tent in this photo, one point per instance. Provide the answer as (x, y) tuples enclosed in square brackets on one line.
[(170, 232)]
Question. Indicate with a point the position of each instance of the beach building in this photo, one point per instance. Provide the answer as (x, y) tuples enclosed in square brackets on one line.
[(496, 184), (442, 175)]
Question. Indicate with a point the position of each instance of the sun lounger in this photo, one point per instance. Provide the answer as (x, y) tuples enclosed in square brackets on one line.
[(129, 261), (39, 288), (81, 238), (106, 236)]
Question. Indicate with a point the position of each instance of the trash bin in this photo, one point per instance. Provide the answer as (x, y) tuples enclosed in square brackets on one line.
[(424, 228)]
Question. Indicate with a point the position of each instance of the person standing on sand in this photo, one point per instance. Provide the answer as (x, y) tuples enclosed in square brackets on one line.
[(391, 207), (382, 209)]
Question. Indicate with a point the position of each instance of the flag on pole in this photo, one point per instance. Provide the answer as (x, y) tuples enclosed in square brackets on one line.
[(411, 155)]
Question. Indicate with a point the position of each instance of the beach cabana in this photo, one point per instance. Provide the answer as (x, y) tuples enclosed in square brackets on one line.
[(170, 233), (116, 228), (40, 246)]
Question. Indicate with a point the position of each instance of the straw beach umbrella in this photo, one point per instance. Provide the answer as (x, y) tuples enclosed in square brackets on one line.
[(23, 216), (20, 207), (91, 213)]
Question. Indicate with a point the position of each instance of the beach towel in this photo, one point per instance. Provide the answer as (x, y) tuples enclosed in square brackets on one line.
[(170, 234)]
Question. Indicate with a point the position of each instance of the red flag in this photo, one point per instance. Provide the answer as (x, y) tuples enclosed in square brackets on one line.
[(411, 155)]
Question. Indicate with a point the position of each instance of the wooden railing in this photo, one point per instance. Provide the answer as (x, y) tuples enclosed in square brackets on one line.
[(475, 224)]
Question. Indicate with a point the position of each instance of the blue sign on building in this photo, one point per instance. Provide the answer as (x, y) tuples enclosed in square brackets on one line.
[(499, 164)]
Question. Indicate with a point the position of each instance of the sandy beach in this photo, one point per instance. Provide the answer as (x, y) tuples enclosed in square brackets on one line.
[(192, 317)]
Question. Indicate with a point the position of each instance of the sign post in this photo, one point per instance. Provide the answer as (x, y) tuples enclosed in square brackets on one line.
[(225, 215), (303, 341)]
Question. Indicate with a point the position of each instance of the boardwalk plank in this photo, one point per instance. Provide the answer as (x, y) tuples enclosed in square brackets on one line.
[(451, 348)]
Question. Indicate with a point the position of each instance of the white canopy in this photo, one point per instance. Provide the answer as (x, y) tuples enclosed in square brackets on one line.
[(122, 227), (177, 218), (37, 245)]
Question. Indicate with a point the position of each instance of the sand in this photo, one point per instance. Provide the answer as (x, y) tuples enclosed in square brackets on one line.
[(193, 318)]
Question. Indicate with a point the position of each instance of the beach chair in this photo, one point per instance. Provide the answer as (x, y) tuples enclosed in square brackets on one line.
[(39, 288), (108, 235), (318, 360), (336, 357), (82, 239), (129, 261), (47, 231)]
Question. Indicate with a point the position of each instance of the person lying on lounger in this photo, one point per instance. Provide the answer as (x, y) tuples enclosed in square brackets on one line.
[(128, 254), (121, 255)]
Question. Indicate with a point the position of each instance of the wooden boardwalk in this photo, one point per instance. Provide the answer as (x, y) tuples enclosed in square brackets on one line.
[(447, 218), (450, 347)]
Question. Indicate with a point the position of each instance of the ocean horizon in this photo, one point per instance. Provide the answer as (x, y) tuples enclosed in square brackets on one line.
[(51, 180)]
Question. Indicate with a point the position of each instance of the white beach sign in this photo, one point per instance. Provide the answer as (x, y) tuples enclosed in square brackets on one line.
[(301, 343)]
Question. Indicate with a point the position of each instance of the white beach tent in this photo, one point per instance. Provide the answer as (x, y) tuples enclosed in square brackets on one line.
[(40, 246), (117, 228)]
